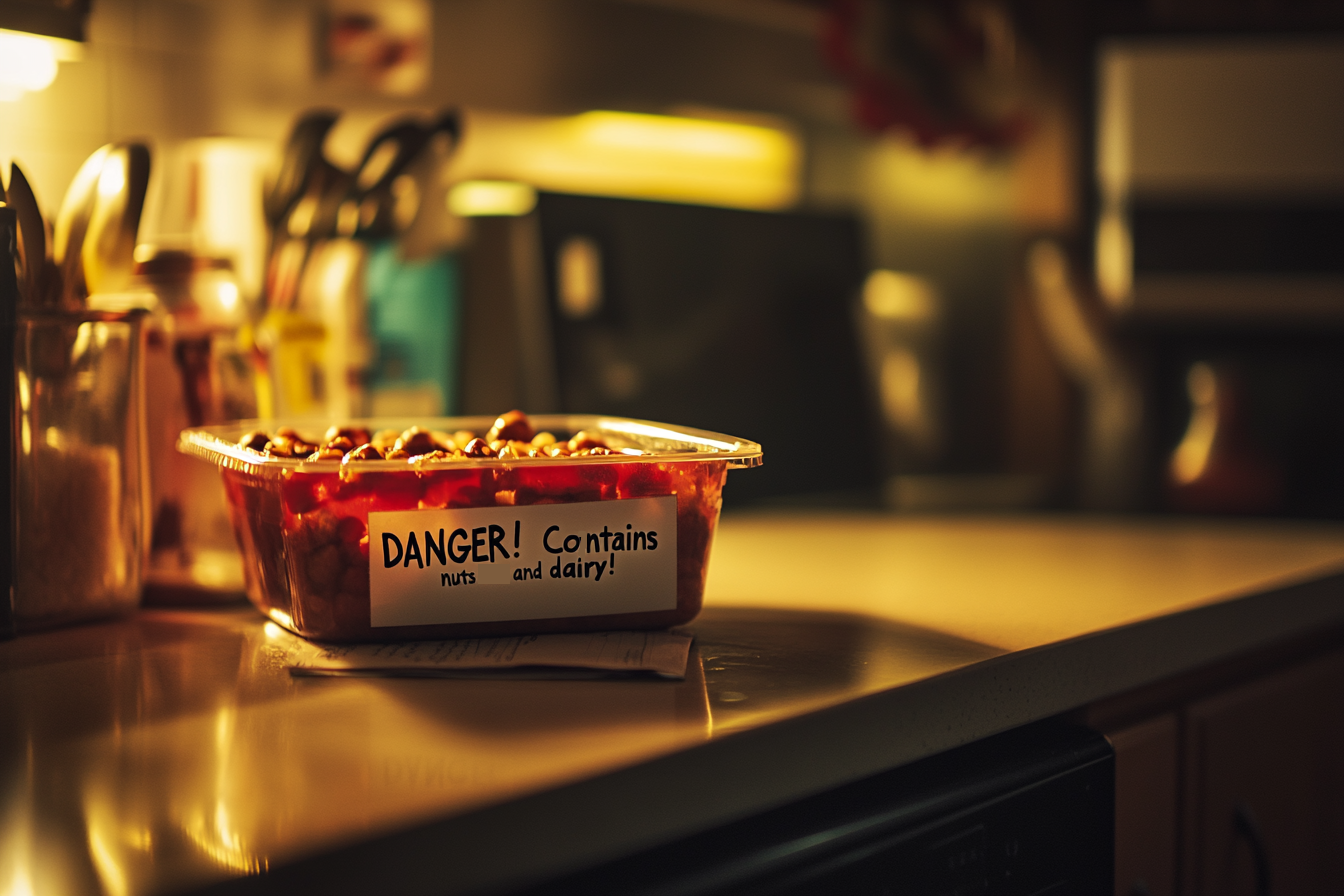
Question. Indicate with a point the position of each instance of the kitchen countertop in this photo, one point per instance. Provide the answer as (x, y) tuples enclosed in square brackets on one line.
[(169, 750)]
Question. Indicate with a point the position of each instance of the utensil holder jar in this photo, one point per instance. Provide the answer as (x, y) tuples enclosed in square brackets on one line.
[(82, 478)]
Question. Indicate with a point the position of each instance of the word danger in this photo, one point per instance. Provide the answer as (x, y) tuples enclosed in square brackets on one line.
[(478, 547)]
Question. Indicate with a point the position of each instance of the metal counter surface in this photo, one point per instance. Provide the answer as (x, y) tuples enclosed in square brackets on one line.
[(169, 750)]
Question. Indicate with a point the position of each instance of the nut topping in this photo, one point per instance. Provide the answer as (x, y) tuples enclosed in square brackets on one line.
[(512, 436)]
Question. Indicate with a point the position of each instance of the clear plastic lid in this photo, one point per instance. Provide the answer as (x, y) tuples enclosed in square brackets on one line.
[(634, 441)]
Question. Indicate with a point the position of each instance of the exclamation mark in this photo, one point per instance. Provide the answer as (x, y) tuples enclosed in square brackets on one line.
[(517, 530), (611, 570)]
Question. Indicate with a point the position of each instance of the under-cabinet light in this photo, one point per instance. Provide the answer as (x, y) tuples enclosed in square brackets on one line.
[(28, 62), (624, 154), (480, 198)]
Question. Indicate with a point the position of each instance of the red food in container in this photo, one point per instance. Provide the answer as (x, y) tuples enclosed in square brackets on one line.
[(304, 530)]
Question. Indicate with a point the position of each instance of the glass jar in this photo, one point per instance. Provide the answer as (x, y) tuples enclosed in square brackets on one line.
[(81, 473)]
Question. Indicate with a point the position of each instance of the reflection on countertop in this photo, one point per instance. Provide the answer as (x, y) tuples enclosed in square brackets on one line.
[(762, 664), (171, 748)]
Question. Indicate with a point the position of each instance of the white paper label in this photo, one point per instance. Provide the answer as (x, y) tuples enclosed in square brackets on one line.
[(541, 561)]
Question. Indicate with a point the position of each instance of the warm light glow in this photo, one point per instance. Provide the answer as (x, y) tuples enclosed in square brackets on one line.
[(902, 394), (579, 274), (212, 828), (116, 846), (301, 217), (17, 854), (650, 431), (110, 872), (1192, 455), (138, 838), (336, 272), (26, 425), (378, 163), (281, 617), (480, 198), (21, 884), (948, 185), (27, 63), (1114, 126), (229, 222), (638, 156), (113, 179), (894, 296), (228, 295), (218, 842), (682, 136), (25, 393), (1115, 259), (1059, 309)]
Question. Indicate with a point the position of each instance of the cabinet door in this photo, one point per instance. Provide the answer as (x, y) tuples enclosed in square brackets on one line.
[(1146, 795), (1264, 787)]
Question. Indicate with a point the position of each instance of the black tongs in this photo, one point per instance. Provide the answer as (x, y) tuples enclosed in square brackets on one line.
[(370, 210)]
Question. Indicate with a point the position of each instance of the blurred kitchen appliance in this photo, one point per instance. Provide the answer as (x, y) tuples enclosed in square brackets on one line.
[(198, 371), (205, 198), (1219, 249), (202, 258), (708, 317), (1221, 180)]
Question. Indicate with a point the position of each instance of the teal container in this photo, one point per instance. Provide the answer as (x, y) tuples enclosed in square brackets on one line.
[(415, 310)]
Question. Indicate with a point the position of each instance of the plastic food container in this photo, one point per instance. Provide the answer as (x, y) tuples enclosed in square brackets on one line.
[(384, 550)]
